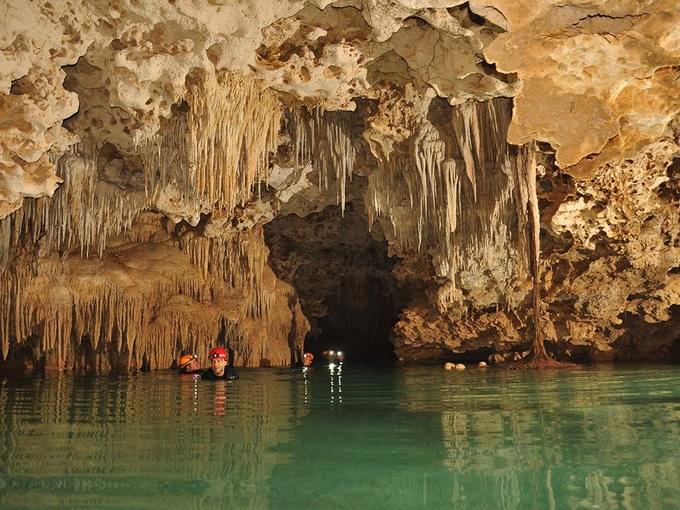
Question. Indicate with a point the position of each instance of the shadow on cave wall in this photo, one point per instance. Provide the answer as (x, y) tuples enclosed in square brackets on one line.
[(650, 342), (343, 277)]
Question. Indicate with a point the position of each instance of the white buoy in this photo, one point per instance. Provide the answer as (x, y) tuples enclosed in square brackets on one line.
[(449, 366), (482, 364), (460, 366)]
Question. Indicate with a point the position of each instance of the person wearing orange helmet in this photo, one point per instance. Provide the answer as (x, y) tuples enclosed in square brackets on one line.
[(219, 369), (307, 359), (188, 364)]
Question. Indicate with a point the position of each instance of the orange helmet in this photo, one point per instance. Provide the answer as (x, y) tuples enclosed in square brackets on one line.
[(186, 359)]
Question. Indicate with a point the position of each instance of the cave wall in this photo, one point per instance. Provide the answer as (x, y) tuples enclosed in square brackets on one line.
[(141, 302), (144, 147)]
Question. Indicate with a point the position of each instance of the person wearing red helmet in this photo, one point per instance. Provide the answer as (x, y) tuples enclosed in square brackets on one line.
[(219, 369)]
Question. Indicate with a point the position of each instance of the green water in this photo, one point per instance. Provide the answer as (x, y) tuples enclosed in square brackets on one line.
[(389, 438)]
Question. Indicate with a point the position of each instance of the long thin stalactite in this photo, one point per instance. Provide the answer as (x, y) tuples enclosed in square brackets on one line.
[(213, 151)]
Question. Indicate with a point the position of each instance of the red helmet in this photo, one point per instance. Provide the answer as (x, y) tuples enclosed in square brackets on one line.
[(218, 352)]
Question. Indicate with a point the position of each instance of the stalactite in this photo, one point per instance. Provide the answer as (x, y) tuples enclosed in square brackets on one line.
[(238, 259), (61, 311), (73, 307), (84, 212), (5, 241), (325, 140), (468, 138), (461, 183), (216, 151), (538, 356), (166, 161), (233, 126), (213, 150)]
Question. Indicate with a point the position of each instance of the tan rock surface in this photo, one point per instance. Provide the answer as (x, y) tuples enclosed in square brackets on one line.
[(156, 126), (583, 69)]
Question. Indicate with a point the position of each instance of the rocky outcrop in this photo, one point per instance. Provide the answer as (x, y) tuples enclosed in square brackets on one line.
[(145, 147), (146, 299)]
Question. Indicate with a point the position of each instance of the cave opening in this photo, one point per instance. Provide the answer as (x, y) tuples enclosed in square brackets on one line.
[(343, 276)]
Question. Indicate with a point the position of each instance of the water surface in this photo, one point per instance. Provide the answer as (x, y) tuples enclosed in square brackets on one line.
[(421, 437)]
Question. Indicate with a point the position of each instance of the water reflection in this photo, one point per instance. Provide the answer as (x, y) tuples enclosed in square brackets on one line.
[(220, 398), (333, 374), (150, 441), (343, 437), (581, 439), (306, 374), (335, 378)]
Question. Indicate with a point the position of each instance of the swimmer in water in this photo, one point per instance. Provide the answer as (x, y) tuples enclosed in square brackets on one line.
[(219, 369), (307, 359), (333, 356), (188, 364)]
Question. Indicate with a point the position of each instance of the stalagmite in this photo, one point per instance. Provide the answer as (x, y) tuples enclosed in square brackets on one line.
[(538, 357)]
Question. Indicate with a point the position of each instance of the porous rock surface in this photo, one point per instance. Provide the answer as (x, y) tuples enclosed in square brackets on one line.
[(144, 146)]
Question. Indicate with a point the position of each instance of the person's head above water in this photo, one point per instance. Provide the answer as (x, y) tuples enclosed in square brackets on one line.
[(307, 359), (188, 363), (333, 356), (219, 358), (219, 369)]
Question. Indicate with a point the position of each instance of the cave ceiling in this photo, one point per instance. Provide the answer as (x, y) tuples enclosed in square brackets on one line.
[(113, 100), (596, 80)]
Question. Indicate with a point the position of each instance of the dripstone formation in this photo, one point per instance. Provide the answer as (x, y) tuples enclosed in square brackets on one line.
[(176, 174)]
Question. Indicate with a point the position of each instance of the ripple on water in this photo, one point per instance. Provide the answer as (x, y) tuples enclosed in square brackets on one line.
[(393, 438)]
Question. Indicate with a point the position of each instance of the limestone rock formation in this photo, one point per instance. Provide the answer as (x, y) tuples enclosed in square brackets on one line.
[(180, 174)]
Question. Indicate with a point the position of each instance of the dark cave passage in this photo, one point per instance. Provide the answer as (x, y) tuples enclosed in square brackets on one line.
[(359, 321), (343, 277)]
